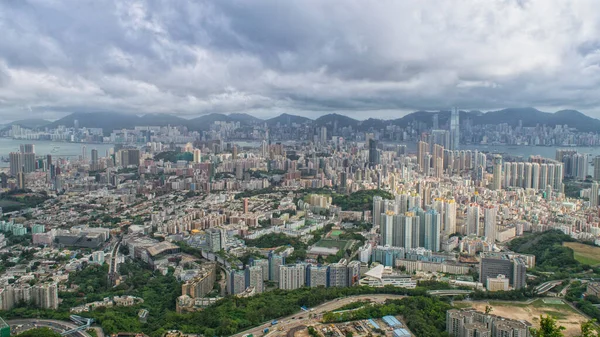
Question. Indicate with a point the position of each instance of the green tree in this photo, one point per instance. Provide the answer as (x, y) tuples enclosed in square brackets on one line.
[(589, 329), (548, 328), (41, 332)]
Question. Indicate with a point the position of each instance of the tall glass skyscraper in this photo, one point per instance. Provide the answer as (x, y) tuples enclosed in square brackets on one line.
[(454, 129)]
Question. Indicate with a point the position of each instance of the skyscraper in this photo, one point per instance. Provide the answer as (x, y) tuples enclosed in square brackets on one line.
[(387, 228), (597, 168), (94, 164), (447, 210), (594, 194), (213, 239), (406, 231), (21, 180), (27, 148), (433, 229), (454, 130), (378, 209), (438, 160), (323, 135), (506, 182), (497, 170), (489, 213), (292, 276), (48, 162), (373, 153), (473, 215), (197, 156), (317, 276), (422, 149), (528, 175), (16, 163), (535, 176), (236, 282), (254, 278), (28, 162), (338, 275), (274, 262)]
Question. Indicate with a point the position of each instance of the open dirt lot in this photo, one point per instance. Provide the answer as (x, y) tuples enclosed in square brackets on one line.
[(565, 315)]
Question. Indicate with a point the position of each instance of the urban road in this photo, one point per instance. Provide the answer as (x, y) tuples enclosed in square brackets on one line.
[(302, 318), (58, 326)]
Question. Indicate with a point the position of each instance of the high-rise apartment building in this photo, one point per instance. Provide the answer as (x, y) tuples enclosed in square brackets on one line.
[(471, 323), (432, 230), (94, 165), (236, 282), (16, 163), (203, 283), (373, 153), (473, 216), (292, 276), (497, 171), (317, 276), (490, 213), (422, 150), (594, 194), (254, 278), (338, 275), (274, 262), (213, 239)]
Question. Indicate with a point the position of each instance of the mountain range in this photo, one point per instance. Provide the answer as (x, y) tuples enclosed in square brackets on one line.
[(512, 116)]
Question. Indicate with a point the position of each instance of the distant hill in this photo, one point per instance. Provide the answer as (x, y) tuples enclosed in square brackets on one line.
[(106, 120), (244, 118), (331, 119), (373, 123), (32, 123), (287, 119), (423, 119), (204, 122), (160, 120), (532, 117)]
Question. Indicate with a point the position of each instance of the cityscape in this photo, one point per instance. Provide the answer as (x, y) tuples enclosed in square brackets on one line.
[(299, 168), (190, 222)]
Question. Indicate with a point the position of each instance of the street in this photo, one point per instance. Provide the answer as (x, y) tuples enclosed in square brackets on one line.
[(58, 326), (302, 317)]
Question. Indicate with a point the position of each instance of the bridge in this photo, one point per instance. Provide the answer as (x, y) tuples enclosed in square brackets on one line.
[(547, 286), (84, 324), (449, 292)]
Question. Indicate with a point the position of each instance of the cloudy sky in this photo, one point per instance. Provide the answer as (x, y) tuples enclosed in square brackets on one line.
[(362, 58)]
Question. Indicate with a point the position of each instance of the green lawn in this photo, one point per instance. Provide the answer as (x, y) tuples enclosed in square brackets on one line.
[(340, 244), (585, 254), (9, 203)]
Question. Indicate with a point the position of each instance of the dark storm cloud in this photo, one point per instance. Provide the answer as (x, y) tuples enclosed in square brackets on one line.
[(361, 58)]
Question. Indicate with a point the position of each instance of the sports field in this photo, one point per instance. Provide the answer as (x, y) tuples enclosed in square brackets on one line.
[(531, 312), (585, 254), (340, 244)]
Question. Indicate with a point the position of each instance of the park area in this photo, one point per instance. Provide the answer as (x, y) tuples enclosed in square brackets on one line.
[(531, 311), (585, 254)]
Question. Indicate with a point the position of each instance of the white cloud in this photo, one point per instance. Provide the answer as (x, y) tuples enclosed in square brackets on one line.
[(299, 56)]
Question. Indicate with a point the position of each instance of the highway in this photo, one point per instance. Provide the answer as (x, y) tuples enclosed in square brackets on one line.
[(449, 292), (113, 265), (302, 317), (58, 326), (547, 286)]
